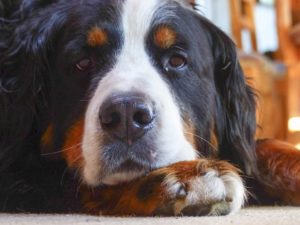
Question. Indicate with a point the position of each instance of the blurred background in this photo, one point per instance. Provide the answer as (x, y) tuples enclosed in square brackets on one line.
[(267, 34)]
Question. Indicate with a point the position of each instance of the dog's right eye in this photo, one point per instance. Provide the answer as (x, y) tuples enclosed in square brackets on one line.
[(84, 64)]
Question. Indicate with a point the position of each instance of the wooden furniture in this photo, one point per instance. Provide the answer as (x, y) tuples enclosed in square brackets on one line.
[(242, 18), (288, 26), (262, 74)]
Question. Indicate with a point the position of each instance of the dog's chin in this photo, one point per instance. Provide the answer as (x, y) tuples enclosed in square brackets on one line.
[(122, 177), (121, 164), (127, 171)]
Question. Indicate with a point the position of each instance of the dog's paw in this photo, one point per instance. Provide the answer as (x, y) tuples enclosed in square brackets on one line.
[(193, 188), (201, 187)]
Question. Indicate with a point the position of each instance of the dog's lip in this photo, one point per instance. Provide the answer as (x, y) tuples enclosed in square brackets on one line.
[(127, 171), (120, 155), (130, 165)]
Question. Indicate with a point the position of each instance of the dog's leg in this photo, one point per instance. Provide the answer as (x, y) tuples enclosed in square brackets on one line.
[(200, 187), (278, 171)]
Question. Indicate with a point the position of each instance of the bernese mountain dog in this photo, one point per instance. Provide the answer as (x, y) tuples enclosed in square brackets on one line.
[(129, 107)]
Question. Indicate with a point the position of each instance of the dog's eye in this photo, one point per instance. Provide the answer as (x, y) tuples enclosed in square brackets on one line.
[(177, 61), (84, 64)]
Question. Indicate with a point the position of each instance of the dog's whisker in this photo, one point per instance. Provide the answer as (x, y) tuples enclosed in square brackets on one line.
[(63, 150), (76, 173), (79, 180), (63, 175), (250, 195), (202, 139), (78, 189), (4, 20), (67, 169)]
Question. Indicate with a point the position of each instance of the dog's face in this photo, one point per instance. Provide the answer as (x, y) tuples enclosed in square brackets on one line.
[(136, 85), (143, 84)]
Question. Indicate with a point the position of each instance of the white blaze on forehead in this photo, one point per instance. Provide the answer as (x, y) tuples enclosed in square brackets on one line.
[(137, 18), (134, 72)]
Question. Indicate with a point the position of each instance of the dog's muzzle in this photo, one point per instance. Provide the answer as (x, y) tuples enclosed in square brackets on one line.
[(127, 118)]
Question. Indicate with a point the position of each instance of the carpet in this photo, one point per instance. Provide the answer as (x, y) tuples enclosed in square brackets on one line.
[(247, 216)]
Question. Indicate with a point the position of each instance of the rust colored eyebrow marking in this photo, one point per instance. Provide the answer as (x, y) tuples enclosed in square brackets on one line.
[(164, 37), (97, 37)]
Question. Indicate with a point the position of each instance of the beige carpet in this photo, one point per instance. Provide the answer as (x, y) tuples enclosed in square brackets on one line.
[(249, 216)]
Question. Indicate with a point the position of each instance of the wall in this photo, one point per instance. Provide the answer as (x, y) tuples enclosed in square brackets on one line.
[(218, 11)]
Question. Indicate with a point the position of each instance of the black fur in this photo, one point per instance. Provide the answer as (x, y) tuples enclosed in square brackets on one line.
[(29, 100), (235, 103), (31, 51)]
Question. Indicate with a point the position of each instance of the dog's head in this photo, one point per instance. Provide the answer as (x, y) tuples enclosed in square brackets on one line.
[(133, 85)]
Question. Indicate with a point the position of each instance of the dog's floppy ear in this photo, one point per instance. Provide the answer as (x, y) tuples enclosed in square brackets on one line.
[(235, 102), (24, 49)]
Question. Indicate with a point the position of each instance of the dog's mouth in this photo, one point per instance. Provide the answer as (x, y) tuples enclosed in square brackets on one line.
[(130, 165), (126, 172), (120, 161), (118, 156)]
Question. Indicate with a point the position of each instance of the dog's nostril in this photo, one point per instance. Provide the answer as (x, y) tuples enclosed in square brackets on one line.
[(110, 120), (143, 117)]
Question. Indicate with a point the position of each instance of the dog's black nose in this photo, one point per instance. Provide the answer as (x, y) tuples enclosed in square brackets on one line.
[(127, 118)]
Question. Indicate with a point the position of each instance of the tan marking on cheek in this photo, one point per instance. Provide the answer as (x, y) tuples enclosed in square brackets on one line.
[(47, 138), (189, 133), (164, 37), (97, 37), (72, 148), (213, 137)]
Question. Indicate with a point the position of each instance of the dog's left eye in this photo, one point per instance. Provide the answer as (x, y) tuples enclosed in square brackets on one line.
[(177, 61), (84, 64)]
